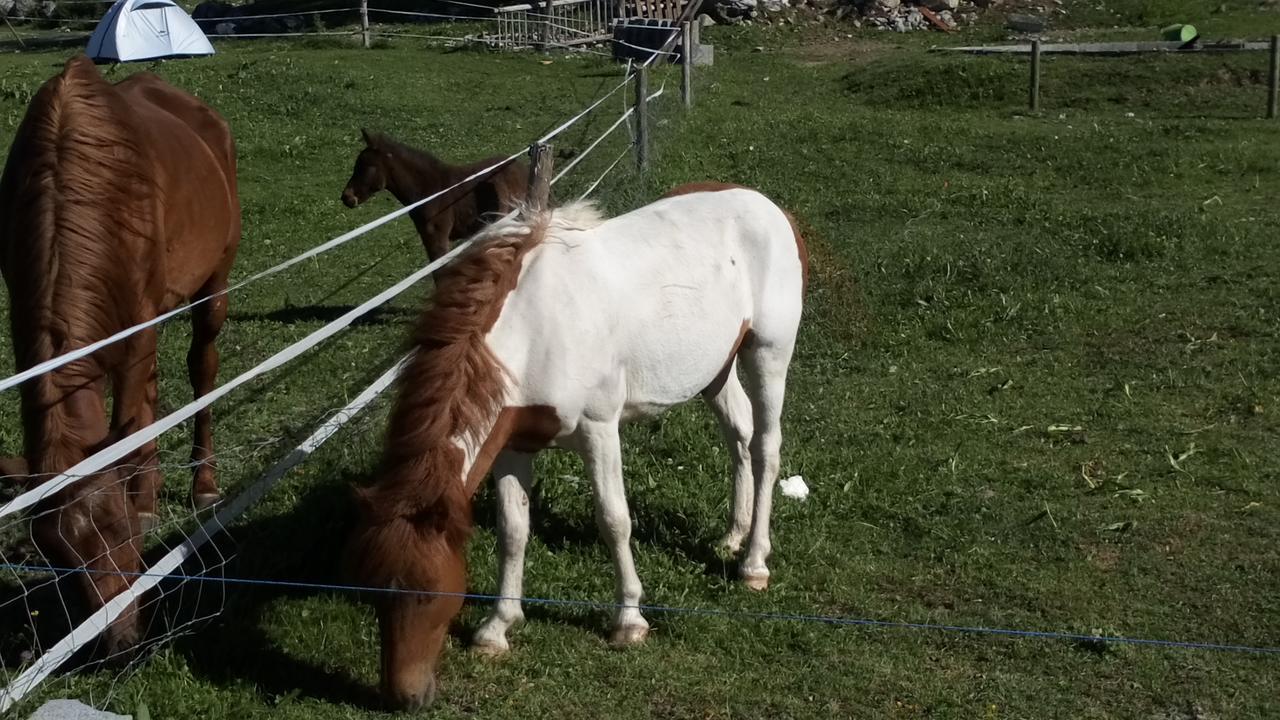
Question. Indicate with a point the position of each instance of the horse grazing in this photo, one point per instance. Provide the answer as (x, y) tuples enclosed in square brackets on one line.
[(119, 202), (550, 332), (411, 175)]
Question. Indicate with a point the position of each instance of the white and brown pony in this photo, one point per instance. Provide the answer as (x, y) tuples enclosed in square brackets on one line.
[(551, 332)]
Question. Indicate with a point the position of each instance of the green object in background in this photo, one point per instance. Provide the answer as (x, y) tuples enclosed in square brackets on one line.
[(1180, 33)]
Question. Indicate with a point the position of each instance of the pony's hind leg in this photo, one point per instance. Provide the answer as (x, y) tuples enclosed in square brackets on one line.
[(134, 408), (513, 473), (202, 367), (603, 457), (766, 369), (732, 409)]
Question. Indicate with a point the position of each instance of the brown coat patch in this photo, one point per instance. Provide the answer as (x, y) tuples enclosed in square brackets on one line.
[(523, 429), (723, 376), (452, 388)]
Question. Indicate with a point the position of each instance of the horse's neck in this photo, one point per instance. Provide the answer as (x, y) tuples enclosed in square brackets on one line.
[(64, 418), (415, 175)]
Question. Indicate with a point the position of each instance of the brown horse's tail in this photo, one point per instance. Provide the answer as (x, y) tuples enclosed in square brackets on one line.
[(73, 196)]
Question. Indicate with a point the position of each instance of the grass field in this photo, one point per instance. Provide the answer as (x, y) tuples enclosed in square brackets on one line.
[(1037, 386)]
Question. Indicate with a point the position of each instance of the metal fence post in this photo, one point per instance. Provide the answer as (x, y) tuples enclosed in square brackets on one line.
[(686, 60), (1273, 91), (1035, 76), (642, 117)]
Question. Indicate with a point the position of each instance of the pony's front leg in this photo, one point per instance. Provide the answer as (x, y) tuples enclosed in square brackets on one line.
[(513, 473), (603, 457)]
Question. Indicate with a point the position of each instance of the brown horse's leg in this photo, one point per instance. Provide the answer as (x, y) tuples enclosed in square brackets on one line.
[(202, 366), (135, 408), (436, 238)]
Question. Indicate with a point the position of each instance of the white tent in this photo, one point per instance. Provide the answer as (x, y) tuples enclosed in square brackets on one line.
[(146, 30)]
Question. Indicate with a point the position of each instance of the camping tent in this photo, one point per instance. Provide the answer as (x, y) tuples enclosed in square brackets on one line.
[(146, 30)]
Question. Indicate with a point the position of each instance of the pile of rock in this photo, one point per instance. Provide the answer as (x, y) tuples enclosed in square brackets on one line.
[(899, 15), (32, 9), (903, 16), (221, 18)]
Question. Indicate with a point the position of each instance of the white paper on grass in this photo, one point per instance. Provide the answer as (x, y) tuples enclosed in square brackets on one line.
[(794, 487)]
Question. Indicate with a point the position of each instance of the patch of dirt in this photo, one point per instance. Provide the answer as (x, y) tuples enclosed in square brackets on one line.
[(1104, 557), (825, 51)]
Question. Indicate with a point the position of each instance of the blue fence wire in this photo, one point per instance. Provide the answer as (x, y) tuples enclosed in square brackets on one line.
[(705, 612)]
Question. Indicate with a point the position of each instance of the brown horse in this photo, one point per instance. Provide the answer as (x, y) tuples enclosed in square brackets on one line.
[(118, 202), (411, 175)]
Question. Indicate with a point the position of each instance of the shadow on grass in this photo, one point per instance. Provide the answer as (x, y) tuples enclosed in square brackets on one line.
[(329, 313), (300, 546)]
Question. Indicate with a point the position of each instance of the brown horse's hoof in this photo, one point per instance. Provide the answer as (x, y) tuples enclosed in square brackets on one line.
[(147, 522), (204, 501)]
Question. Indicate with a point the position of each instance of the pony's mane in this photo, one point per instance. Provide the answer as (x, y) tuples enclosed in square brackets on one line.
[(74, 186), (453, 385)]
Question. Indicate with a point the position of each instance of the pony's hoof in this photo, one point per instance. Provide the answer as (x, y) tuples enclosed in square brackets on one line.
[(729, 546), (147, 522), (756, 581), (204, 501), (490, 649), (629, 635)]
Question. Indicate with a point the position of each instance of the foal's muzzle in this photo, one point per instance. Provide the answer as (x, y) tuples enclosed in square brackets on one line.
[(349, 198)]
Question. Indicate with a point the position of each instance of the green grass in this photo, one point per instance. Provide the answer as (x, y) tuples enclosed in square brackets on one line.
[(980, 276)]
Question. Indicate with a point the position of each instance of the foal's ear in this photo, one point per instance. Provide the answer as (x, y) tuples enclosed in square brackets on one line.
[(369, 137)]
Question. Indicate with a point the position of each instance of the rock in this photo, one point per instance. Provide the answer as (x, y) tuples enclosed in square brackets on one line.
[(888, 4), (1025, 23), (72, 710), (940, 5)]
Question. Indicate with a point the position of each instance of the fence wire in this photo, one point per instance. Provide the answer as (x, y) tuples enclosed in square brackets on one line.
[(39, 602)]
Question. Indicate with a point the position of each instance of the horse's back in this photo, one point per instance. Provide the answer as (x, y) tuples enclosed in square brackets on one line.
[(663, 295), (193, 154), (198, 117)]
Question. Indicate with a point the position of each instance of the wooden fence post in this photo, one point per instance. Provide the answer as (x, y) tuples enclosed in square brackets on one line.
[(364, 23), (1034, 99), (686, 60), (1273, 92), (538, 195), (642, 117)]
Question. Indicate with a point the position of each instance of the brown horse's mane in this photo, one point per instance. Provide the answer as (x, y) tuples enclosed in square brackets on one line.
[(421, 161), (451, 388), (76, 190)]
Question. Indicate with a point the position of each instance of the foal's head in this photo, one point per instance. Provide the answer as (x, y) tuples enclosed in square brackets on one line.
[(419, 560), (369, 177)]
